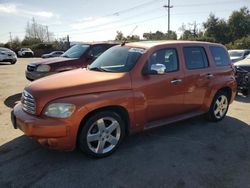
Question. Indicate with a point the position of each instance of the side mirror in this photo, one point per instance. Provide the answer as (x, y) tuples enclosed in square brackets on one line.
[(159, 68), (154, 69)]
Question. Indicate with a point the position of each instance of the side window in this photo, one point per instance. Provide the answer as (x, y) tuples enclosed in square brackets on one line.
[(195, 58), (220, 56), (167, 57), (96, 51)]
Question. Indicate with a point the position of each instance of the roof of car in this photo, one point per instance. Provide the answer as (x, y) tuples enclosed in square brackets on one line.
[(94, 43), (4, 49), (149, 44)]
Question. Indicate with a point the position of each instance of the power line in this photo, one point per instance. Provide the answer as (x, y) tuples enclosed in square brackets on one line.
[(133, 8), (133, 23), (116, 21), (205, 4), (93, 30)]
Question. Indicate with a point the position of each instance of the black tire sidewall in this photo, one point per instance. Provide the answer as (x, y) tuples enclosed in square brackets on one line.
[(13, 62), (211, 115), (82, 137)]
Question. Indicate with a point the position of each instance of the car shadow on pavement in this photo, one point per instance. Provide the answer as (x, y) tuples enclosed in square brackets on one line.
[(191, 153), (242, 98), (12, 100)]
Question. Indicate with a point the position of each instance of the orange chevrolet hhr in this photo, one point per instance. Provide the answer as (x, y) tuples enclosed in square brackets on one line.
[(129, 88)]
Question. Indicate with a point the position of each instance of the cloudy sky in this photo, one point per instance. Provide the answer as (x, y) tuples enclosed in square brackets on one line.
[(96, 20)]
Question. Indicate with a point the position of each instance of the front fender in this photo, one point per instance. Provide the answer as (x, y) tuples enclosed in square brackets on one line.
[(90, 102)]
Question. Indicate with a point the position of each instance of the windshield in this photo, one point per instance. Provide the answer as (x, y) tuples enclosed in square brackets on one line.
[(236, 53), (75, 51), (117, 59)]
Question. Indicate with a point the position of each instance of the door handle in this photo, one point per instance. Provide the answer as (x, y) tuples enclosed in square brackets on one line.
[(209, 75), (176, 81)]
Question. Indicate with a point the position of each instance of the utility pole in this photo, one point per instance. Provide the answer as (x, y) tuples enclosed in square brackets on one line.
[(47, 29), (68, 42), (168, 7), (10, 39)]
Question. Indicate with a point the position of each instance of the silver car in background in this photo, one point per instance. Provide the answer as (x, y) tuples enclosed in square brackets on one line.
[(7, 55), (237, 55), (53, 54), (25, 52)]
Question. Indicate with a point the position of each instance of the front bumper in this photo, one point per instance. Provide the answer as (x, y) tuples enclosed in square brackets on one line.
[(49, 132), (8, 59), (27, 54), (33, 75)]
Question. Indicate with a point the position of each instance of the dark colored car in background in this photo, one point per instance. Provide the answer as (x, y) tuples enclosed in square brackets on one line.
[(243, 75), (53, 54), (78, 56)]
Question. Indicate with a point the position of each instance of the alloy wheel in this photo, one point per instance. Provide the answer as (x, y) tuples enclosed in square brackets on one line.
[(103, 135), (220, 107)]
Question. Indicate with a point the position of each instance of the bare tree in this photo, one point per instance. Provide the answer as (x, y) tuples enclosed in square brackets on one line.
[(38, 31)]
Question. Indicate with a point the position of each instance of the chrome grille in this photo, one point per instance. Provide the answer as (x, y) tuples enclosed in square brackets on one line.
[(28, 103)]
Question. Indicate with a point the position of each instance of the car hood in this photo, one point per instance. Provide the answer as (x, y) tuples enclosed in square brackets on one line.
[(235, 58), (76, 82), (245, 62), (53, 60)]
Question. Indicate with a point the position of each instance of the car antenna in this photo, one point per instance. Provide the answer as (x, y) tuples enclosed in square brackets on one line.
[(125, 40)]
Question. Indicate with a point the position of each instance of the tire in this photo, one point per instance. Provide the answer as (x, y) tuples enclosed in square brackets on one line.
[(97, 138), (219, 107), (245, 92), (13, 62)]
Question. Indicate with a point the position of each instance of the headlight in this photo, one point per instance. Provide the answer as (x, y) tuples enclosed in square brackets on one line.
[(43, 68), (60, 110)]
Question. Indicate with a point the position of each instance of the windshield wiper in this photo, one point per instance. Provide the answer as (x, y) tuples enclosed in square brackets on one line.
[(98, 69)]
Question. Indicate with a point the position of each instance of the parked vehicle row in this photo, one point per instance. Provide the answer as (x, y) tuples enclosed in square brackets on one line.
[(7, 55), (127, 89)]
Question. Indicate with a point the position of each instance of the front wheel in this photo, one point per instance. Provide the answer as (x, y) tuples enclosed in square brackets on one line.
[(102, 133), (219, 107)]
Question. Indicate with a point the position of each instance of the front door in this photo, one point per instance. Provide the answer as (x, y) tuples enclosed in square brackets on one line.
[(163, 93)]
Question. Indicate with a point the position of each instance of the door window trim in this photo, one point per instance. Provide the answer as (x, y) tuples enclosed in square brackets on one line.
[(168, 48)]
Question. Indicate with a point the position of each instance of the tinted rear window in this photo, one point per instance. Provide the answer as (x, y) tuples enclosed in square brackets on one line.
[(220, 56), (195, 58)]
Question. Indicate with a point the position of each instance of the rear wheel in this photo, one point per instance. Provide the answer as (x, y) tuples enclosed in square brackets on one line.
[(102, 133), (13, 62), (219, 107)]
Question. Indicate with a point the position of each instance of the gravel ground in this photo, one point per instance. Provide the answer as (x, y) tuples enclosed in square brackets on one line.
[(191, 153)]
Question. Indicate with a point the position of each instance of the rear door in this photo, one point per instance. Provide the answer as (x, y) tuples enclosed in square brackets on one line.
[(198, 74)]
